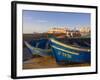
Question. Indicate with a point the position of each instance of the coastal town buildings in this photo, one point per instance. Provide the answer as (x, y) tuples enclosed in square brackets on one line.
[(85, 31), (58, 30), (65, 31)]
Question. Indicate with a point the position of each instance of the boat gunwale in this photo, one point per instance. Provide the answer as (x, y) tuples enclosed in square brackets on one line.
[(68, 46), (75, 53)]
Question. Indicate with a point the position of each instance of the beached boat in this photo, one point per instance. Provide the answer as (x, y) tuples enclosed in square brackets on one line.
[(39, 47), (65, 53)]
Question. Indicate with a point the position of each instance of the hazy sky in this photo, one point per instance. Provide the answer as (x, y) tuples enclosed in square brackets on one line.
[(41, 21)]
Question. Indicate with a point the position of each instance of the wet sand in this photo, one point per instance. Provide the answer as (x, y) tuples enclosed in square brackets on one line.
[(48, 62)]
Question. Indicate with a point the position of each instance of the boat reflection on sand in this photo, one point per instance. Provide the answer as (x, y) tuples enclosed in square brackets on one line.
[(65, 53)]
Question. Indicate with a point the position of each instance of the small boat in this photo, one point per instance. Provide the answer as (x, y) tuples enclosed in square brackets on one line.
[(39, 47), (65, 53)]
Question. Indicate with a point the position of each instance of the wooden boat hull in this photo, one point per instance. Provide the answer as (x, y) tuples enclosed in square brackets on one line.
[(39, 47), (65, 53)]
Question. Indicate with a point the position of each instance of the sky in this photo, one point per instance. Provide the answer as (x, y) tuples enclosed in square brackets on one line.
[(42, 21)]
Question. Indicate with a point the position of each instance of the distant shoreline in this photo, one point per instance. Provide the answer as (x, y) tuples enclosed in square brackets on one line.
[(45, 35)]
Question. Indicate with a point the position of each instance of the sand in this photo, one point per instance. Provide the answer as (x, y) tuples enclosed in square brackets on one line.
[(48, 62)]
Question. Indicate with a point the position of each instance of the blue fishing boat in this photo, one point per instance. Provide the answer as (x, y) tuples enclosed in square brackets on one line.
[(74, 53), (39, 47)]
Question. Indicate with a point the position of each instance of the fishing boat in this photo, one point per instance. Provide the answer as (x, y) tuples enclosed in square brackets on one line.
[(70, 53), (39, 47)]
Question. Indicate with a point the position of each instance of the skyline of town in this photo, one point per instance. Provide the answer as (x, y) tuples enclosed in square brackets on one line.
[(40, 21)]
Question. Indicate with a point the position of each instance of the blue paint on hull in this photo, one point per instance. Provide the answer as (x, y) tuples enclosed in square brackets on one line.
[(62, 53), (39, 47)]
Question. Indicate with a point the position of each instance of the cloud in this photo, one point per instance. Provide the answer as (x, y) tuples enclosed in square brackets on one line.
[(42, 21)]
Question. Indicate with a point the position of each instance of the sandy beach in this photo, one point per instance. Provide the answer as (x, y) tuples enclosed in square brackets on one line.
[(48, 62)]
